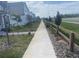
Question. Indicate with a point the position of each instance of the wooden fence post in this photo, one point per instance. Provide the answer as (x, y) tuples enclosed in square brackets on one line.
[(72, 37)]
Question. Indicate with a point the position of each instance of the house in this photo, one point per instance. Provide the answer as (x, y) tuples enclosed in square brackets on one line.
[(18, 9), (16, 14)]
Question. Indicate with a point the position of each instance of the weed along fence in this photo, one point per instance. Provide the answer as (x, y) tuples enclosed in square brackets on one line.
[(70, 37)]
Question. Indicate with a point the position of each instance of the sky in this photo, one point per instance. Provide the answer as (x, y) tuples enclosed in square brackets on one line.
[(50, 8)]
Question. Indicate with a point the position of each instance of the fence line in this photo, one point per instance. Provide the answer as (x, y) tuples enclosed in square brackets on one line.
[(69, 40)]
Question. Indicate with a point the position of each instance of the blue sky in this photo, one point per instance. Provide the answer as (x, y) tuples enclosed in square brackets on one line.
[(49, 8)]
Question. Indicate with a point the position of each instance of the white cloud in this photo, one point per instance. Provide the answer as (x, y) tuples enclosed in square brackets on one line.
[(45, 10)]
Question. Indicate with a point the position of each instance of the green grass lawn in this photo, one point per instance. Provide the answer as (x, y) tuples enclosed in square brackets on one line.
[(71, 26), (28, 27), (74, 28), (18, 43), (73, 19), (18, 46), (66, 29)]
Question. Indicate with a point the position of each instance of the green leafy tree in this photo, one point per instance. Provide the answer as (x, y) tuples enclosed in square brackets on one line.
[(29, 17), (58, 21), (50, 18)]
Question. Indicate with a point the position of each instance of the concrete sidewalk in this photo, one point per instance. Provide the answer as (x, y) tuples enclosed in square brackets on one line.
[(16, 33), (40, 46)]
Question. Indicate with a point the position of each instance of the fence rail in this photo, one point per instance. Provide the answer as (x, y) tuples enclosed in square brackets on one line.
[(70, 40)]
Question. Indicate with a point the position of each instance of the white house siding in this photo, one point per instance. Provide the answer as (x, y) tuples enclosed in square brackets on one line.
[(18, 8), (21, 9), (23, 22)]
